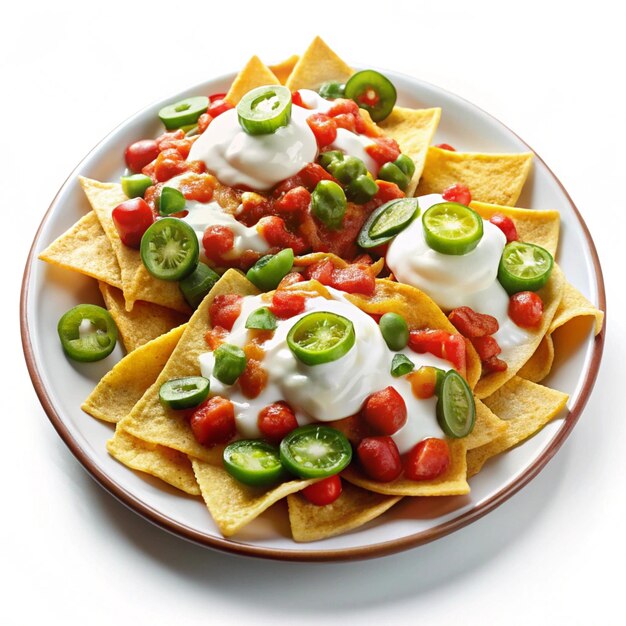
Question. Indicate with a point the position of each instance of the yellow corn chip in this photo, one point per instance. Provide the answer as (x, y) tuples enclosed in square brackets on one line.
[(526, 407), (316, 257), (515, 358), (86, 249), (413, 129), (494, 178), (452, 483), (540, 363), (233, 504), (353, 508), (487, 427), (574, 304), (254, 74), (538, 227), (318, 65), (122, 387), (137, 283), (283, 70), (169, 465), (145, 322)]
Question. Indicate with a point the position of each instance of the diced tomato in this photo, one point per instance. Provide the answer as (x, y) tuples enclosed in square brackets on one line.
[(429, 459), (137, 155), (487, 347), (296, 98), (215, 337), (445, 146), (341, 106), (386, 191), (214, 421), (169, 139), (224, 310), (218, 106), (198, 187), (354, 279), (276, 420), (363, 259), (454, 351), (274, 231), (346, 121), (290, 279), (324, 492), (383, 150), (203, 122), (170, 163), (253, 207), (526, 309), (253, 349), (286, 304), (324, 128), (296, 200), (322, 271), (506, 225), (385, 411), (217, 241), (132, 218), (472, 324), (253, 379), (307, 177), (457, 193), (494, 364), (379, 458), (216, 96), (441, 344), (423, 382)]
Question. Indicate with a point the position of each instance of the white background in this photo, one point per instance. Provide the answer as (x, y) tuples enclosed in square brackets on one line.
[(554, 73)]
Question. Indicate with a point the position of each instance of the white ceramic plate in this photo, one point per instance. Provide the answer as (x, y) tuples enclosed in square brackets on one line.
[(62, 385)]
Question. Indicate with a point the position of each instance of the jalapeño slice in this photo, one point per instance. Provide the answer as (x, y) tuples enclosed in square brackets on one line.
[(184, 393), (171, 201), (524, 267), (196, 286), (253, 462), (269, 270), (456, 409), (87, 333), (388, 226), (321, 337), (183, 113), (452, 228), (264, 110), (169, 249), (315, 451), (372, 91)]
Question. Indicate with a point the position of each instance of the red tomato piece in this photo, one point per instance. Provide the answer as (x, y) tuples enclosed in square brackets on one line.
[(168, 164), (346, 121), (441, 344), (445, 146), (324, 492), (290, 279), (487, 347), (216, 96), (379, 458), (423, 382), (457, 193), (169, 139), (215, 337), (296, 200), (286, 304), (455, 350), (137, 155), (132, 218), (385, 411), (429, 459), (214, 421), (218, 106), (253, 379), (217, 241), (506, 225), (472, 324), (354, 279), (274, 231), (494, 364), (322, 271), (224, 310), (343, 106), (203, 122), (198, 187), (296, 98), (526, 309), (276, 420), (324, 128), (384, 149)]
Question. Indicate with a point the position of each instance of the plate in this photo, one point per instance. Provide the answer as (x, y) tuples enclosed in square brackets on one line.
[(47, 292)]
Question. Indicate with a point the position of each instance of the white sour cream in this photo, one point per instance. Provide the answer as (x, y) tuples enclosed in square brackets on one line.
[(329, 391), (314, 102)]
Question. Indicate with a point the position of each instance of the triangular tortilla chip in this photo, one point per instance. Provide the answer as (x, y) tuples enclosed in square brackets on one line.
[(145, 322), (232, 504), (353, 508), (169, 465), (493, 178), (318, 65), (526, 407), (283, 70), (540, 363), (137, 283), (86, 249), (487, 427), (413, 129), (574, 304), (122, 387), (254, 74)]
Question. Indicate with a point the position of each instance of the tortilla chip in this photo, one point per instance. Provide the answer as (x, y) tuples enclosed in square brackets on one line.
[(283, 70), (169, 465), (86, 249), (318, 65), (526, 407), (515, 358), (233, 504), (413, 129), (254, 74), (149, 420), (493, 178), (487, 427), (538, 227), (540, 363), (315, 257), (122, 387), (574, 304), (452, 483), (144, 323), (137, 283), (353, 508)]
